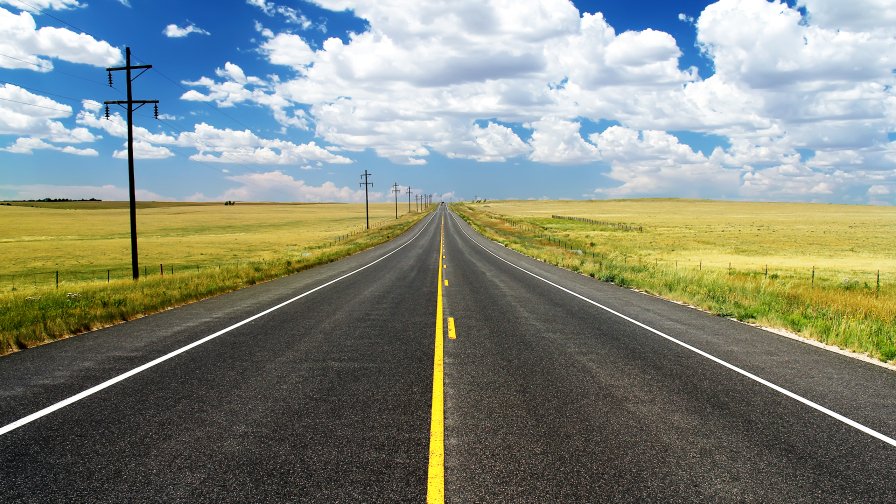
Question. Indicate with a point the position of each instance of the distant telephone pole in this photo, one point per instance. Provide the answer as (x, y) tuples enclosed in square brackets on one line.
[(396, 190), (129, 106), (366, 184), (409, 200)]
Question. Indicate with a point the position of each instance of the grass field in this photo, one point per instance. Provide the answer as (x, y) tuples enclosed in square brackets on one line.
[(83, 240), (210, 248), (809, 268)]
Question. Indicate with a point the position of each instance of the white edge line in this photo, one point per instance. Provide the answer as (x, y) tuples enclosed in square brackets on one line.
[(112, 381), (833, 414)]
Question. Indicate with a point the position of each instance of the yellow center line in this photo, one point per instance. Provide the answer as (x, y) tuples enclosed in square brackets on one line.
[(435, 489), (452, 333)]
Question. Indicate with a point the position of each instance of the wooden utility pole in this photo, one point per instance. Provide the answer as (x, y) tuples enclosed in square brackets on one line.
[(409, 200), (129, 106), (366, 184), (396, 190)]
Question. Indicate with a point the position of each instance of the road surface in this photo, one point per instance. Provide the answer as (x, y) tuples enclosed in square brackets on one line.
[(347, 383)]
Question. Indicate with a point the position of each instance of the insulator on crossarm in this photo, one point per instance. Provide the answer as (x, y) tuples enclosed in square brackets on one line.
[(107, 111), (156, 110), (110, 79)]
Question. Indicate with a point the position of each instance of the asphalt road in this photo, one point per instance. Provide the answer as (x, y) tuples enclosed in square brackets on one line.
[(557, 388)]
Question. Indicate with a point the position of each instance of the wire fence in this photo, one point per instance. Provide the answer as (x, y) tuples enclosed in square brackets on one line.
[(621, 226), (62, 277), (852, 279), (59, 278)]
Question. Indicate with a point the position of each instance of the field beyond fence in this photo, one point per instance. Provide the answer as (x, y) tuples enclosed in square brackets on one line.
[(825, 272), (66, 267)]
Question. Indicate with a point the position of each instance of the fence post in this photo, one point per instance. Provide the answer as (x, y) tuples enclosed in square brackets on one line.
[(57, 279), (108, 276), (161, 269), (700, 267), (813, 275), (878, 283), (766, 271)]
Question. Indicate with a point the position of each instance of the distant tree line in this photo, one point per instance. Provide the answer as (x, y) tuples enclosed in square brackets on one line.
[(229, 203), (53, 200)]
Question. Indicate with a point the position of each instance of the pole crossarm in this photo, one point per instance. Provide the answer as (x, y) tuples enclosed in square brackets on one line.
[(125, 102), (131, 67), (396, 190), (129, 106), (128, 68), (366, 185)]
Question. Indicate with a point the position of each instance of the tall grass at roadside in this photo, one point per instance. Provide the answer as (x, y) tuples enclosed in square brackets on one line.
[(36, 316), (849, 314)]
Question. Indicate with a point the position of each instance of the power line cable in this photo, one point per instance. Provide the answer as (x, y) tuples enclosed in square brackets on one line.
[(43, 67), (161, 74), (209, 105), (38, 65), (35, 105), (155, 70), (170, 124), (45, 13), (40, 91)]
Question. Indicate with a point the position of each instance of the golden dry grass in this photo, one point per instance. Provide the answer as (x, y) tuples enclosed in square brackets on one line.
[(213, 248), (686, 247), (839, 240), (81, 237)]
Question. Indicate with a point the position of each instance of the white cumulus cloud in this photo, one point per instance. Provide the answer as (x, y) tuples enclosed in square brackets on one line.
[(35, 6), (174, 31), (655, 163), (802, 102), (27, 145), (144, 150), (559, 141), (279, 186), (29, 46), (212, 145), (35, 119)]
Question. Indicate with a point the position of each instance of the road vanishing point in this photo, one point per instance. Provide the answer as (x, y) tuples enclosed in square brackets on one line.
[(442, 366)]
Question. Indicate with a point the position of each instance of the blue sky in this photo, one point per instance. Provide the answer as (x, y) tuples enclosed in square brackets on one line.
[(292, 100)]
